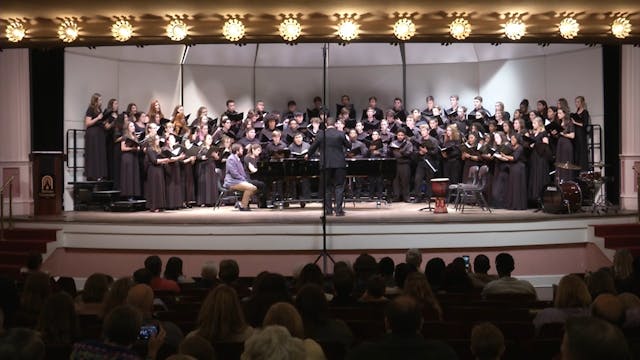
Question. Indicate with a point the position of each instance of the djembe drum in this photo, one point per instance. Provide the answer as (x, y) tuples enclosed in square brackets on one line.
[(439, 187)]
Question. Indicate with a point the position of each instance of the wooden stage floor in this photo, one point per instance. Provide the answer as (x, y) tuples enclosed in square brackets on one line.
[(358, 213)]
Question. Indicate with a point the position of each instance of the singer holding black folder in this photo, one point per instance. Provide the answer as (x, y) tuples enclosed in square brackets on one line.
[(332, 144)]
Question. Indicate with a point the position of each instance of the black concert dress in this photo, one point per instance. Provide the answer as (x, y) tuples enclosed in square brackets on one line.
[(129, 174), (207, 190), (564, 154), (516, 196), (580, 142), (95, 149), (189, 183), (173, 185), (154, 186), (539, 167), (452, 164)]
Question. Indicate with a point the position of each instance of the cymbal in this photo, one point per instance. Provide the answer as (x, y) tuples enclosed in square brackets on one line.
[(567, 166), (601, 164)]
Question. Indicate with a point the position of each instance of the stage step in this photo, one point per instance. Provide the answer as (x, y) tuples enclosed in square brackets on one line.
[(620, 236), (17, 245), (129, 206)]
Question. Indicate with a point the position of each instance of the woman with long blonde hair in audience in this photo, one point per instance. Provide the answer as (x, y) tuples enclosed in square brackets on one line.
[(116, 296), (417, 286), (58, 321), (285, 314), (572, 298), (221, 317)]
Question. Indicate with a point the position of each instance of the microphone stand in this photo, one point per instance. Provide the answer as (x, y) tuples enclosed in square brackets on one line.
[(324, 253)]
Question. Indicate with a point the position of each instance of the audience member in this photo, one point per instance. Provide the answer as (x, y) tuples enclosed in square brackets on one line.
[(268, 289), (35, 292), (273, 342), (117, 295), (208, 275), (154, 265), (173, 271), (142, 276), (572, 299), (22, 344), (435, 272), (364, 267), (401, 272), (90, 301), (311, 274), (631, 305), (608, 307), (600, 282), (221, 318), (197, 347), (33, 263), (487, 342), (343, 283), (230, 274), (58, 322), (418, 288), (285, 314), (623, 270), (587, 338), (120, 330), (456, 279), (141, 298), (480, 275), (314, 309), (507, 285), (9, 299), (375, 291), (413, 257), (404, 321), (385, 268)]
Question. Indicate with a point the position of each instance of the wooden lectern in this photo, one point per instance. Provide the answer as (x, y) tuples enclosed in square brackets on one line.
[(48, 179)]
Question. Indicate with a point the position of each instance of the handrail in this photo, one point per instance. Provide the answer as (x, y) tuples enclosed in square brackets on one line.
[(9, 183), (74, 155)]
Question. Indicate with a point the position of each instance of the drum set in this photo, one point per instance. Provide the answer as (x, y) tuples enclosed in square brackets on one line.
[(571, 196)]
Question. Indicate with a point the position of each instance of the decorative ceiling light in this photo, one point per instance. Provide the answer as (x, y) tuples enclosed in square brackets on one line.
[(177, 30), (233, 30), (68, 31), (122, 30), (514, 29), (16, 31), (621, 27), (348, 29), (569, 28), (404, 29), (460, 29), (290, 29)]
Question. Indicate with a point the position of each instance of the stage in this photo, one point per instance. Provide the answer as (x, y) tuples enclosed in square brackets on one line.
[(545, 246)]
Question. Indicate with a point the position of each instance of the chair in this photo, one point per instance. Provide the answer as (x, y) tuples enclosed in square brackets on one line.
[(455, 190), (224, 192), (476, 191)]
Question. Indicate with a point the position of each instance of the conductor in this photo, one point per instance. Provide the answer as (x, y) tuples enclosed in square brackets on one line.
[(332, 144)]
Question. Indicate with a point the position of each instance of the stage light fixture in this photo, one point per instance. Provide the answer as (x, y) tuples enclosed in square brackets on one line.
[(569, 28), (621, 27), (68, 31), (290, 29), (177, 30), (233, 30), (16, 31), (460, 29), (122, 30), (348, 29), (514, 29), (404, 29)]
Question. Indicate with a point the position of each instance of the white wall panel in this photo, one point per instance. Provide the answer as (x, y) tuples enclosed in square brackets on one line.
[(142, 83), (384, 82), (276, 86), (211, 86), (441, 81)]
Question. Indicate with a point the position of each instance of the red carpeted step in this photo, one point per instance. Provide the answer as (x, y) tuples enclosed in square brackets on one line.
[(23, 245), (11, 271), (616, 229), (621, 241), (13, 257), (31, 234)]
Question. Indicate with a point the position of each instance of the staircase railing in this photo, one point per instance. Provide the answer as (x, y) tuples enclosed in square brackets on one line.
[(72, 151), (7, 185)]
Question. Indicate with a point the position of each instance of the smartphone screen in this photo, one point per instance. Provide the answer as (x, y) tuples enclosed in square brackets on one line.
[(147, 331), (466, 262)]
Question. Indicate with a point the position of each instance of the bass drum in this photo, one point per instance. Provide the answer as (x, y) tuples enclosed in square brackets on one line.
[(562, 198)]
